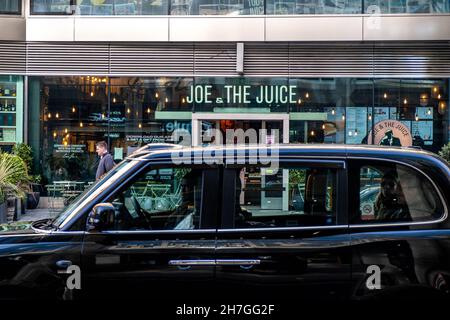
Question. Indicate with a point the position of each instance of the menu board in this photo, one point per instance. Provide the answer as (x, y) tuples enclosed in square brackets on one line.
[(423, 130), (424, 113), (356, 124)]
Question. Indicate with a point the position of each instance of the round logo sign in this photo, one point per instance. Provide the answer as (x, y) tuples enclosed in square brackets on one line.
[(390, 133)]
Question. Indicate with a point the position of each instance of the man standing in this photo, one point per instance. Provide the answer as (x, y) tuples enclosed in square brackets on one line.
[(106, 160)]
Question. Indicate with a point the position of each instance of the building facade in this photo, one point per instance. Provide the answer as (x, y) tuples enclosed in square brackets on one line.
[(133, 71)]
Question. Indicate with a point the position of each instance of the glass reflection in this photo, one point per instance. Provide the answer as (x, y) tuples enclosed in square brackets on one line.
[(10, 7), (76, 112), (100, 7)]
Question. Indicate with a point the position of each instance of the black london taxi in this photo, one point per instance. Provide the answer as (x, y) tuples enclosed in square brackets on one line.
[(275, 222)]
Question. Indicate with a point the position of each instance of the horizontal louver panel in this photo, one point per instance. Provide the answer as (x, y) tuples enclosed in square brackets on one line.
[(152, 59), (12, 57), (215, 59), (398, 60), (330, 60), (266, 59), (412, 60), (67, 58), (316, 60)]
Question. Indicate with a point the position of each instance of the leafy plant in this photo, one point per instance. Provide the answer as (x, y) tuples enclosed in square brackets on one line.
[(14, 177), (445, 152), (25, 152), (296, 179)]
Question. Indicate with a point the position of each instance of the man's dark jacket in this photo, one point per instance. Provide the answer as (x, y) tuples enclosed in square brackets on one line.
[(106, 164)]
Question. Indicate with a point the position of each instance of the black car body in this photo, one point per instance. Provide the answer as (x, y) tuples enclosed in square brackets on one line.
[(281, 222)]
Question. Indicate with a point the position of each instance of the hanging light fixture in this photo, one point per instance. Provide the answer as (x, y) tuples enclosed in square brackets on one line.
[(156, 95), (307, 95), (423, 101), (57, 115), (343, 116), (385, 95), (148, 110), (429, 111), (81, 124), (74, 109), (140, 125), (299, 101), (417, 117), (370, 117), (333, 112), (55, 134), (442, 107), (312, 133), (49, 115), (405, 101)]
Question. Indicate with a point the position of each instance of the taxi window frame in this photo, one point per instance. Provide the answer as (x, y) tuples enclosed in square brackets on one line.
[(226, 218), (354, 178)]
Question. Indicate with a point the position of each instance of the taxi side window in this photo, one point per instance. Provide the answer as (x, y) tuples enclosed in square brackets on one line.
[(284, 197), (161, 199), (396, 193)]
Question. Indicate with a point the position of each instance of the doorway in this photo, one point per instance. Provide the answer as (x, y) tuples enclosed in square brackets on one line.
[(257, 128)]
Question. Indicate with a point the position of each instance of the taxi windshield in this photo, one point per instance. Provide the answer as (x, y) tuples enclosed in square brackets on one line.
[(96, 186)]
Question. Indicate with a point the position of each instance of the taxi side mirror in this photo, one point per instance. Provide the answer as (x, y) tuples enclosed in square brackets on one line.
[(102, 217)]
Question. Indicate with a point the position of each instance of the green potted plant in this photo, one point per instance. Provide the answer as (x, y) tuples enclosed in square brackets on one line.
[(14, 182), (32, 196), (296, 180), (445, 152)]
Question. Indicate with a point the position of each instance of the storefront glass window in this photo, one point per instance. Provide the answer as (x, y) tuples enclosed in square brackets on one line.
[(217, 7), (51, 7), (229, 7), (146, 111), (76, 112), (288, 7), (406, 6), (73, 113), (100, 7), (11, 7), (331, 110), (419, 105)]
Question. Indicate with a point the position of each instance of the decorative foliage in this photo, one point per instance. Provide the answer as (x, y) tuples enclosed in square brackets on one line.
[(25, 152), (14, 177), (445, 152)]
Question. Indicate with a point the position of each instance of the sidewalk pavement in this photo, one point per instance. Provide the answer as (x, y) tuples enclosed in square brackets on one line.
[(37, 214)]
